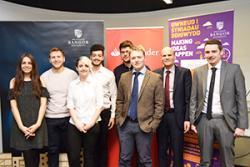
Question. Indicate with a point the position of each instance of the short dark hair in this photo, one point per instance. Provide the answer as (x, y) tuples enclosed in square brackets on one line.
[(126, 43), (214, 42), (97, 47), (55, 49)]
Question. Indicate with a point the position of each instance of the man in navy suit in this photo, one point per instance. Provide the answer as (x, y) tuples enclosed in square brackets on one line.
[(177, 82)]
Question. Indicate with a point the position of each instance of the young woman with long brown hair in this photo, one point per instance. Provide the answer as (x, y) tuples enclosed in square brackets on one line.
[(28, 100)]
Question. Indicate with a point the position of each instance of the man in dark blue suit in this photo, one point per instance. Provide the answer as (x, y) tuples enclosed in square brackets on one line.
[(177, 82)]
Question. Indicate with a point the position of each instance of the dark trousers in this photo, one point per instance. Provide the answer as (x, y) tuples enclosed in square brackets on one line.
[(208, 131), (31, 158), (102, 141), (76, 139), (170, 138), (57, 138), (131, 137)]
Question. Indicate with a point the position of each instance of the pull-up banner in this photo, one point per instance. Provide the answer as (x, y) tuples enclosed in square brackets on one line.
[(188, 36), (151, 38), (37, 38)]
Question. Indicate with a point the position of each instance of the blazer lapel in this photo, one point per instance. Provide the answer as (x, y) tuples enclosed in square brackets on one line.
[(222, 75), (144, 83), (204, 79), (129, 88), (162, 74), (176, 76)]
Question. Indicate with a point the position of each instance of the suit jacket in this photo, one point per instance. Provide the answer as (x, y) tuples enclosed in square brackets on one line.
[(232, 95), (150, 101), (181, 94)]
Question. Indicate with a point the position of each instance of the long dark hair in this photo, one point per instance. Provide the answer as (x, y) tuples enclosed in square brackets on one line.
[(35, 79)]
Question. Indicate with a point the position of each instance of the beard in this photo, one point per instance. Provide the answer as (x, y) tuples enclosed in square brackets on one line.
[(96, 64), (126, 61)]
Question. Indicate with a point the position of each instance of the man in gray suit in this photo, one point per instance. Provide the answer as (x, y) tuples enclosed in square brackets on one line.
[(218, 108), (139, 108)]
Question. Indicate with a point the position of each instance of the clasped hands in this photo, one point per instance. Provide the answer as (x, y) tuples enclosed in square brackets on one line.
[(29, 131), (84, 127)]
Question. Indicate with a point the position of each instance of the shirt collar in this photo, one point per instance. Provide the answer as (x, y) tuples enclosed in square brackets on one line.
[(172, 69), (88, 80), (100, 69), (142, 71), (217, 66)]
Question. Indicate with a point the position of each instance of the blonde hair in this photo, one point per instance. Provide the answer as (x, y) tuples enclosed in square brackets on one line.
[(85, 60), (139, 48)]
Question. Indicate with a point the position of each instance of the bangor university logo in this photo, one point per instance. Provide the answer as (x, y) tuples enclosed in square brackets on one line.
[(219, 25), (78, 39), (78, 33)]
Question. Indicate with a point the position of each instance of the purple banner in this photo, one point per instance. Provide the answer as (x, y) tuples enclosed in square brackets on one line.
[(188, 35)]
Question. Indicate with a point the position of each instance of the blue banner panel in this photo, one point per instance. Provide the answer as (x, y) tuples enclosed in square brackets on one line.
[(37, 38)]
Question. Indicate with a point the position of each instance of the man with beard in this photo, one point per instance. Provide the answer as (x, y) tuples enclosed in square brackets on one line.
[(125, 49), (106, 78)]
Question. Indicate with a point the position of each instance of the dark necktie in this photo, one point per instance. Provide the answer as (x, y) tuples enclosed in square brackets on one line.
[(167, 93), (210, 94), (134, 98)]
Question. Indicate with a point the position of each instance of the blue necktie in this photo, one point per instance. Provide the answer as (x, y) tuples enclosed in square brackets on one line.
[(134, 98), (210, 94)]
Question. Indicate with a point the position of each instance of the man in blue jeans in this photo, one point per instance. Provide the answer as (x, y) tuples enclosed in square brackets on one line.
[(57, 80)]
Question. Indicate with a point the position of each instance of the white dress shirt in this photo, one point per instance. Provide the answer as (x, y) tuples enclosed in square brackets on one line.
[(216, 104), (171, 83), (106, 78), (85, 97)]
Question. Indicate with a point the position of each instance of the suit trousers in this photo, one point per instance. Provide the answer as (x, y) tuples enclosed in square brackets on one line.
[(170, 139), (208, 131), (76, 139), (131, 136), (102, 141)]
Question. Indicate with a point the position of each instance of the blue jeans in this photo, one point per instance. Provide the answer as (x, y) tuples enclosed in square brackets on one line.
[(57, 139)]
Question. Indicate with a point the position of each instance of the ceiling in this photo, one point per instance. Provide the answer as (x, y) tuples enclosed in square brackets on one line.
[(108, 6)]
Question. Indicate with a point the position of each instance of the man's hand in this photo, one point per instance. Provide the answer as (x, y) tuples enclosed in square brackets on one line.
[(193, 128), (239, 132), (111, 123), (186, 126)]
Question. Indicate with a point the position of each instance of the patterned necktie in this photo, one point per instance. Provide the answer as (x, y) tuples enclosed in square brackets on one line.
[(167, 93), (210, 94), (134, 98)]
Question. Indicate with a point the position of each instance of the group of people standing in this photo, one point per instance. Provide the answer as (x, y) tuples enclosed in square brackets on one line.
[(63, 109)]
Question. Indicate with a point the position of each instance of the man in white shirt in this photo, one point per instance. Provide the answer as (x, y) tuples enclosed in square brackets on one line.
[(106, 78), (175, 122), (57, 80), (218, 107)]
